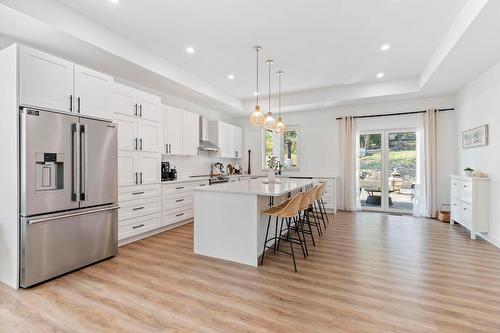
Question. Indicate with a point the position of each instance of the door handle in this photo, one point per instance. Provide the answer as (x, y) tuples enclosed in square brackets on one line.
[(166, 148), (141, 177), (140, 140), (78, 103), (74, 162), (138, 226), (136, 178), (52, 218), (170, 148), (137, 193), (83, 162), (179, 214), (138, 208), (179, 200), (140, 110), (135, 113), (136, 145), (70, 103), (179, 188)]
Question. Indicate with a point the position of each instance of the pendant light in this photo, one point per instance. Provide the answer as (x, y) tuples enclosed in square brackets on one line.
[(269, 122), (257, 118), (280, 126)]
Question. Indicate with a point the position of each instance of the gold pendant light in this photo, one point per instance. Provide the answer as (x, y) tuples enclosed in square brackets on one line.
[(257, 118), (279, 127), (269, 122)]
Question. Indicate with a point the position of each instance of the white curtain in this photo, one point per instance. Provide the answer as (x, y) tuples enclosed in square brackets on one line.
[(425, 199), (349, 189)]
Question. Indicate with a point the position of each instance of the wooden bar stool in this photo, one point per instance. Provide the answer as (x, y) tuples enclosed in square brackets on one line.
[(287, 213), (304, 217), (318, 206)]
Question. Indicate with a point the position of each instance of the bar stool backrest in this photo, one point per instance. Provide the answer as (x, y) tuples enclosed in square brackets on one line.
[(292, 208), (308, 198), (320, 191)]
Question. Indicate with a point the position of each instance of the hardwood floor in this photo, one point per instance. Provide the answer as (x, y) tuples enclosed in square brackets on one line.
[(369, 273)]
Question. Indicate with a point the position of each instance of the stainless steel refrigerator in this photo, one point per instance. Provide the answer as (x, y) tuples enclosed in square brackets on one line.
[(68, 203)]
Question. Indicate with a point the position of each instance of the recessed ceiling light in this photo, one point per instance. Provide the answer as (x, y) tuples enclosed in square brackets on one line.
[(190, 50), (114, 1), (230, 77), (385, 47), (256, 94), (380, 75)]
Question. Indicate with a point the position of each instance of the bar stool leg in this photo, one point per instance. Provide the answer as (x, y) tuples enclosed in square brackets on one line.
[(281, 231), (298, 236), (318, 205), (306, 217), (276, 240), (324, 209), (301, 225), (291, 248), (265, 242)]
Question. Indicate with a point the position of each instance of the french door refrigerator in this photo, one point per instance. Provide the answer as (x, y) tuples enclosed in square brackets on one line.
[(68, 203)]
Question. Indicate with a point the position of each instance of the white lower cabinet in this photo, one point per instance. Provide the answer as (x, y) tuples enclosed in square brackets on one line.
[(138, 225), (470, 203), (177, 201)]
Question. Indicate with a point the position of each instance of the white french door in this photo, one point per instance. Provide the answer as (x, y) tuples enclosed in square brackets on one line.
[(387, 170)]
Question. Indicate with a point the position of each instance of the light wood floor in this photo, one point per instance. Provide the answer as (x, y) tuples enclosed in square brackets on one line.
[(369, 273)]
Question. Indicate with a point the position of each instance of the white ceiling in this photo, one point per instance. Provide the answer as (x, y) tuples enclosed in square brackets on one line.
[(318, 43), (329, 49)]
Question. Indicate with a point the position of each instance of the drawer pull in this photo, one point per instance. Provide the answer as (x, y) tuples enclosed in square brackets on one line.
[(138, 226), (138, 208), (179, 188), (179, 200), (465, 208), (137, 193), (203, 185), (179, 214), (455, 184)]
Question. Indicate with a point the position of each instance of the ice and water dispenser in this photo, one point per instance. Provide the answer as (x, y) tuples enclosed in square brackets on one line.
[(49, 171)]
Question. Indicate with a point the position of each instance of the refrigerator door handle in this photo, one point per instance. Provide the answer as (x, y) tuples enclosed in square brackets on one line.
[(83, 162), (74, 162), (58, 217)]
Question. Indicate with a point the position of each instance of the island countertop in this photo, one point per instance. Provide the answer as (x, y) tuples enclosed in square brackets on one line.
[(258, 187)]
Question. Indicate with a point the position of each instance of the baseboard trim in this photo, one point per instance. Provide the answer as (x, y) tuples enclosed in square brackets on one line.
[(490, 239), (150, 233)]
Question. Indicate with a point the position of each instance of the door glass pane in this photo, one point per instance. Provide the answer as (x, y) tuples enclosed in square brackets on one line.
[(370, 160), (401, 169)]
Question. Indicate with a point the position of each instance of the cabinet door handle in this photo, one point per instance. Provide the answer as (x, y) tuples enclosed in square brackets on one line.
[(138, 208), (138, 226), (136, 143), (70, 103), (79, 104), (135, 112), (170, 148), (179, 200), (141, 177), (141, 143), (179, 188), (203, 184), (136, 179), (140, 110), (137, 193), (166, 148), (179, 214)]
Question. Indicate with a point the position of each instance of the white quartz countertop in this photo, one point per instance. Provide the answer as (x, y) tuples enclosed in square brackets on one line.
[(185, 180), (258, 187)]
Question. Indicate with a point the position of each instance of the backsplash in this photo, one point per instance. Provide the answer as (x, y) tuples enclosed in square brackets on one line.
[(196, 165)]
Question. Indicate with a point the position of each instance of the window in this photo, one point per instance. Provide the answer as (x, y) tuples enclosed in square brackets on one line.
[(281, 149)]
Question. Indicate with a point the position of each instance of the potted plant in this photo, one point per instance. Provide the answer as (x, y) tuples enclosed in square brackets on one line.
[(468, 171)]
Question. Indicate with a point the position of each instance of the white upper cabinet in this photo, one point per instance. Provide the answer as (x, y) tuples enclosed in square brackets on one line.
[(228, 137), (53, 83), (45, 81), (172, 130), (190, 133), (93, 91), (125, 100), (138, 117), (149, 106)]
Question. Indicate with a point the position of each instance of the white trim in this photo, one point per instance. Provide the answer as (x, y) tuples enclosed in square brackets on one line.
[(490, 239), (152, 232)]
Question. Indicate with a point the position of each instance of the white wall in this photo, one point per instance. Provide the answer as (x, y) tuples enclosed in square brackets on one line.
[(319, 137), (477, 104)]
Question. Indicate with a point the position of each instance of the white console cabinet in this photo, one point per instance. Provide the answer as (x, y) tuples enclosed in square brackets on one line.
[(470, 203)]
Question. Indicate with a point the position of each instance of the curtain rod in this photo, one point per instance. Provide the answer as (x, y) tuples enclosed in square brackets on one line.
[(396, 114)]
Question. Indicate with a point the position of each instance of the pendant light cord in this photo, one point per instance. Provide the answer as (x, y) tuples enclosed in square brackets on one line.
[(279, 93), (270, 64), (257, 91)]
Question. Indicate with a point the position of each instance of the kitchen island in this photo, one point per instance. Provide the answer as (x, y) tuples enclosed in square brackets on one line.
[(228, 219)]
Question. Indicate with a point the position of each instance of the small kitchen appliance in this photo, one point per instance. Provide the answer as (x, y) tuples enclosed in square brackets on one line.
[(168, 172)]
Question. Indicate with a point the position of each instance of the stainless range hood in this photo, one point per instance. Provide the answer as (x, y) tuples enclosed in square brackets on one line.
[(205, 143)]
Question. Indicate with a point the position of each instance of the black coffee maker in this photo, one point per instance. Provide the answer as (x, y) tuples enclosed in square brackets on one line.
[(167, 172)]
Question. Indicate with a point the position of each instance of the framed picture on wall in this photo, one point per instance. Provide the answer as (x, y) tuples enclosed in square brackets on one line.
[(475, 137)]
